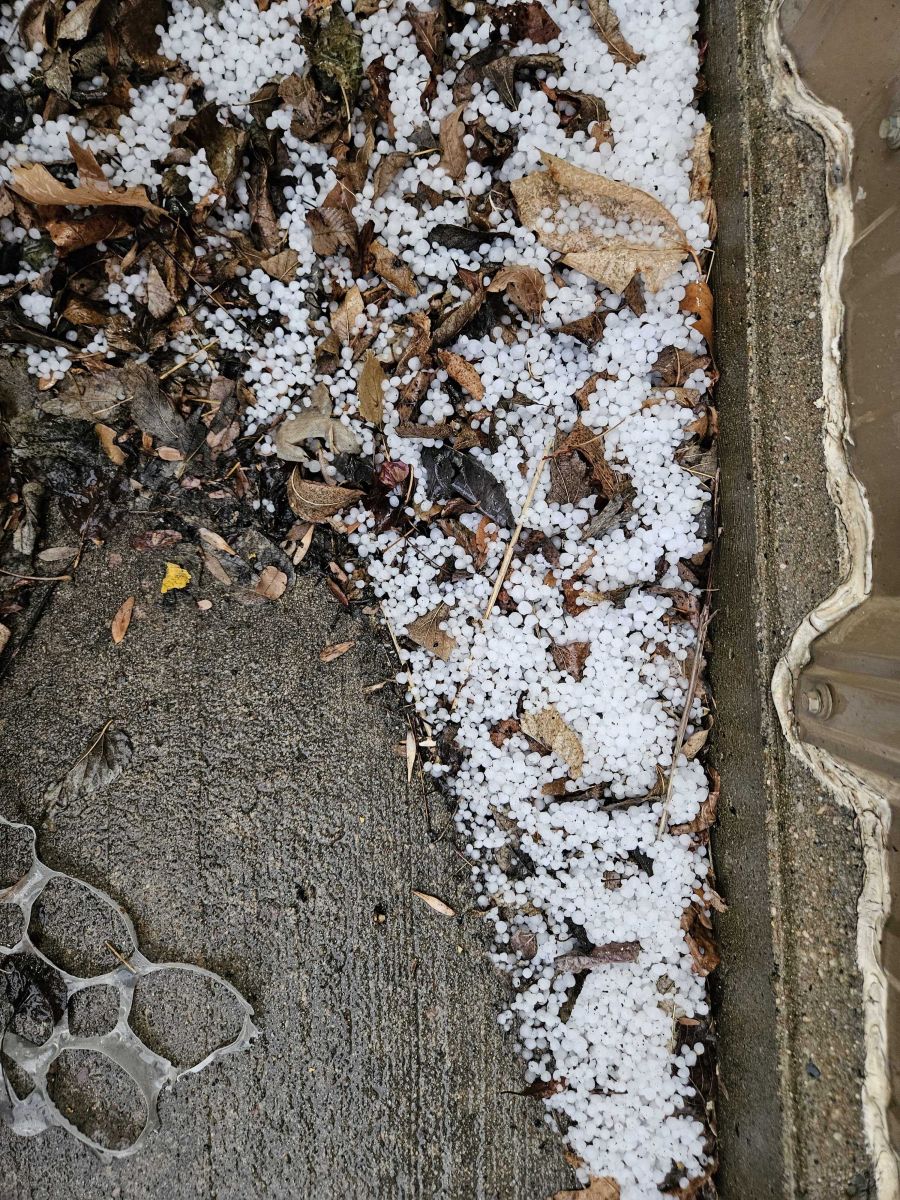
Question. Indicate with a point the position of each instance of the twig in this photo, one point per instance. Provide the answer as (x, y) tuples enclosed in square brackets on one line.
[(36, 578), (122, 959), (184, 362)]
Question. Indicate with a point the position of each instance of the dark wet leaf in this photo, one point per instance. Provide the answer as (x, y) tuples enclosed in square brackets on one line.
[(503, 72), (457, 237), (36, 995), (526, 21), (430, 31), (107, 755), (449, 473)]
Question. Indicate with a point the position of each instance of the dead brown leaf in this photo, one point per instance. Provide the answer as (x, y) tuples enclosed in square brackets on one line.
[(84, 159), (698, 300), (334, 650), (34, 183), (317, 501), (525, 287), (455, 156), (549, 728), (599, 956), (122, 620), (462, 371), (370, 390), (343, 321), (281, 266), (71, 235), (607, 25), (393, 269), (426, 632), (76, 24), (271, 584), (4, 637), (215, 541), (107, 436), (571, 657)]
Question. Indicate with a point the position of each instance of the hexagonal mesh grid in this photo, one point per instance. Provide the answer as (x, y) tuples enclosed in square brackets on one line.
[(35, 1016)]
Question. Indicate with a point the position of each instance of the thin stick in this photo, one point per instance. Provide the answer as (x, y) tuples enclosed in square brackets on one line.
[(37, 578), (507, 557), (122, 959), (184, 362)]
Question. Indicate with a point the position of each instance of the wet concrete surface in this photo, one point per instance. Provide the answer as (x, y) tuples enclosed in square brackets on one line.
[(789, 1002), (265, 829)]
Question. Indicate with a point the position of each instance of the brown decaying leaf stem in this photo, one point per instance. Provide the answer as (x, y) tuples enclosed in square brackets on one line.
[(702, 627)]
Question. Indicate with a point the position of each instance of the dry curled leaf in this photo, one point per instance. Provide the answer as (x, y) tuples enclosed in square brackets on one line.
[(4, 637), (463, 373), (317, 501), (76, 24), (549, 728), (271, 584), (34, 183), (612, 261), (599, 956), (122, 620), (437, 905), (426, 632), (215, 541), (370, 389), (607, 25), (313, 424), (525, 287)]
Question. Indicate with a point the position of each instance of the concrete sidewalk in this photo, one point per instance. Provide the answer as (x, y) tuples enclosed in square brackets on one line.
[(265, 829)]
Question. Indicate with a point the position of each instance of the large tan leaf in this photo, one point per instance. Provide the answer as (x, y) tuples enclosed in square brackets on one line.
[(611, 261), (549, 728), (317, 501), (35, 184), (455, 156)]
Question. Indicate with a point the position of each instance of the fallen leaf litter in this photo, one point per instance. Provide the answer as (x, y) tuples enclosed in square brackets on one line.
[(430, 278)]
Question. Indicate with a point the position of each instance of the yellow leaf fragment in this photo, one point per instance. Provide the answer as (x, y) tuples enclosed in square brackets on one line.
[(437, 905), (175, 578), (549, 728), (122, 620)]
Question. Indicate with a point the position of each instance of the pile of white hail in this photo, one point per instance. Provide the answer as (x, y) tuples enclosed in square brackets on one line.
[(556, 875)]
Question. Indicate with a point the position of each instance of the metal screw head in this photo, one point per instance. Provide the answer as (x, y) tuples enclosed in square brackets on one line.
[(818, 700)]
